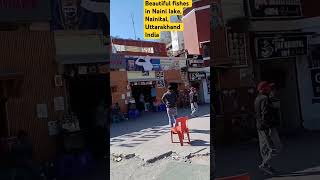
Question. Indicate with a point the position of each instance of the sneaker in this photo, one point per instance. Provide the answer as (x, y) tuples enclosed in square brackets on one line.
[(266, 169), (271, 169)]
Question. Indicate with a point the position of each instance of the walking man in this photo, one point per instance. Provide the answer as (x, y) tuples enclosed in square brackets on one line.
[(170, 100), (269, 140), (193, 101)]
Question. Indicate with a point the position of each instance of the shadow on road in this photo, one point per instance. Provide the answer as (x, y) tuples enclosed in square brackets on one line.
[(299, 154), (148, 126), (199, 143)]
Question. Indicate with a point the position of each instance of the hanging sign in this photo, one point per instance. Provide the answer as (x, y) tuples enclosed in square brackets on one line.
[(281, 47), (315, 78), (275, 8), (195, 61), (197, 76)]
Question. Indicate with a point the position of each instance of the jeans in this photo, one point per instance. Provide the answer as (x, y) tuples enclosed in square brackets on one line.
[(172, 114), (194, 108), (270, 145)]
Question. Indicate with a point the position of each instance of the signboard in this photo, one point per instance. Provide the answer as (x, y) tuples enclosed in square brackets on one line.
[(160, 74), (80, 15), (143, 63), (117, 61), (167, 64), (136, 75), (281, 47), (58, 103), (315, 78), (42, 111), (24, 10), (195, 61), (197, 76), (237, 47), (275, 8)]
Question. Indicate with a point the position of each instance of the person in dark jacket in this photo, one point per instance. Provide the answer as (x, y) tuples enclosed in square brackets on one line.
[(269, 140), (193, 96), (170, 100)]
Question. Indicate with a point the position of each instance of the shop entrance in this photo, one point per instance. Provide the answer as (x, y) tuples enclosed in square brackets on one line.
[(145, 91), (86, 94), (283, 74), (199, 86)]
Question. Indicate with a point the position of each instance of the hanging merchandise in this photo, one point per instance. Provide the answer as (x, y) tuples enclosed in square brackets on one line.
[(160, 84)]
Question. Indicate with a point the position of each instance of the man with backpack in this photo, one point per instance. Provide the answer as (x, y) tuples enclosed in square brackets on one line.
[(170, 100), (269, 140), (193, 96)]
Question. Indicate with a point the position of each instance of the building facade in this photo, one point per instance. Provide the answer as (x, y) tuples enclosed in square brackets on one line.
[(269, 41)]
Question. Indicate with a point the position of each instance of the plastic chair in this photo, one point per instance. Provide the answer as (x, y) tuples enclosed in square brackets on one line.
[(238, 177), (180, 129)]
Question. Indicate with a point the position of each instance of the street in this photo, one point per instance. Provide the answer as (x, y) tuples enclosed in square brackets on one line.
[(153, 156), (299, 160)]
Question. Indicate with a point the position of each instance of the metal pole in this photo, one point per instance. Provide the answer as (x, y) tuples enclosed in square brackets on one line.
[(134, 29)]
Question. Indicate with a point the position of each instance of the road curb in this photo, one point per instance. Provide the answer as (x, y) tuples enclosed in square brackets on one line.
[(159, 157)]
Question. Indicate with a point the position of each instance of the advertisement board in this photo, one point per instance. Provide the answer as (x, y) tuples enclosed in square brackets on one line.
[(143, 63), (24, 10), (275, 8), (281, 47)]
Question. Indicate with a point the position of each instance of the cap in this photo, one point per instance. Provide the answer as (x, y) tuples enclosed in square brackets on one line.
[(264, 85)]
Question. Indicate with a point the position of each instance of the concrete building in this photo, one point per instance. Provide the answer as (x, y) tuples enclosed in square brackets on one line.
[(196, 37)]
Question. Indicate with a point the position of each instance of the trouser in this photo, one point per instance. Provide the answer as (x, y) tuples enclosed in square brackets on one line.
[(172, 114), (194, 108), (270, 145)]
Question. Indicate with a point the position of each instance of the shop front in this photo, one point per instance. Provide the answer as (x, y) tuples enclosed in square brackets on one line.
[(83, 64), (277, 56), (145, 88), (199, 77)]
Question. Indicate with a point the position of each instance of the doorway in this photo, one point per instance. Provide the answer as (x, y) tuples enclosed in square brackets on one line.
[(283, 74), (199, 86), (145, 90)]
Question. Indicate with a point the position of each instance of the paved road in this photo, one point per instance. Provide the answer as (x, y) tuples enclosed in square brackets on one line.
[(132, 133), (153, 133), (300, 159)]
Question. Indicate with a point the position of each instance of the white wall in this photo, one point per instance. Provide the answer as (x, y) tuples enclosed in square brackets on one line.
[(177, 40), (310, 112)]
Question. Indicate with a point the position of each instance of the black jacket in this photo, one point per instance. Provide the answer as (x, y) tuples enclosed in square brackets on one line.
[(264, 112)]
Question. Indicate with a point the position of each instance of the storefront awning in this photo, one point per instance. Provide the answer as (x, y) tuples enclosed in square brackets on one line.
[(73, 47)]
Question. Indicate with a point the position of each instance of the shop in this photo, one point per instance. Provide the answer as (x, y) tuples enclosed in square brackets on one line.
[(277, 58), (84, 76), (145, 88), (199, 77)]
